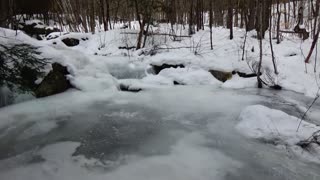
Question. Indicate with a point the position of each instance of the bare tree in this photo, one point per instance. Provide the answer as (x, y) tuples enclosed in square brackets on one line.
[(210, 22)]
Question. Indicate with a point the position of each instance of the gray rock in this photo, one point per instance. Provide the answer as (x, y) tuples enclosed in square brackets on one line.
[(71, 42), (55, 82), (220, 75)]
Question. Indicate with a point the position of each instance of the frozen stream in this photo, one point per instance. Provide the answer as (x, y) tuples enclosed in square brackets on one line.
[(175, 133)]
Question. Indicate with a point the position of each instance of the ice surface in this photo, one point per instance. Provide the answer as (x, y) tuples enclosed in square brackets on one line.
[(165, 133)]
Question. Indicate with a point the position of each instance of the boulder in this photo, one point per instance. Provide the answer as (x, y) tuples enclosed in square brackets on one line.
[(245, 75), (37, 29), (220, 75), (127, 88), (302, 31), (71, 42), (157, 69), (55, 82), (177, 83)]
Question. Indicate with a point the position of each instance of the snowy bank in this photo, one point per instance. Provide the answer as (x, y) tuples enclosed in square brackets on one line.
[(278, 128)]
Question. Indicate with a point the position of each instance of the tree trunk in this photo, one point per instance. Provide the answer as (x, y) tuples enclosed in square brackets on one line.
[(316, 15), (271, 47), (278, 21), (251, 16), (260, 21), (141, 24), (230, 19), (315, 40), (191, 31), (104, 19), (210, 23), (4, 14), (91, 17)]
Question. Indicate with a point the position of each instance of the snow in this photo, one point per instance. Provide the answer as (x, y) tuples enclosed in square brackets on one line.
[(240, 83), (167, 77), (189, 76), (157, 80), (100, 51), (260, 122), (204, 105)]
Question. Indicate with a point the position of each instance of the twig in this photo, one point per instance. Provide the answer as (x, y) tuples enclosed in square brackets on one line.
[(304, 115)]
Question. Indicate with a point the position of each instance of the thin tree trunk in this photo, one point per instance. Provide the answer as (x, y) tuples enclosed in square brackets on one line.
[(271, 47), (260, 44), (316, 14), (141, 24), (230, 19), (278, 22), (314, 43), (210, 22), (191, 31), (244, 45), (104, 19)]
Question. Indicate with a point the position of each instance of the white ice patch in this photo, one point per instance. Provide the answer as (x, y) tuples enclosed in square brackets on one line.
[(96, 83), (122, 114), (157, 80)]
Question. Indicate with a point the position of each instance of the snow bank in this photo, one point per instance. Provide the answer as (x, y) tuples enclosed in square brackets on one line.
[(171, 76), (190, 76), (275, 126), (262, 122), (240, 83), (194, 53)]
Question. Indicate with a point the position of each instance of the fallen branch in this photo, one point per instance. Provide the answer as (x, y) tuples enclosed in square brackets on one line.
[(314, 139), (305, 113), (127, 48), (158, 34)]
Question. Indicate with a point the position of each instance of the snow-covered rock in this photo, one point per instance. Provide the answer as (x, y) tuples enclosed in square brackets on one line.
[(190, 76)]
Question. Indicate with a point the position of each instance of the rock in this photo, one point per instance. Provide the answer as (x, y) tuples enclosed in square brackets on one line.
[(30, 76), (276, 87), (6, 97), (85, 39), (302, 31), (244, 75), (176, 83), (55, 82), (37, 29), (157, 69), (220, 75), (149, 52), (127, 88), (71, 42), (291, 54), (124, 26)]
